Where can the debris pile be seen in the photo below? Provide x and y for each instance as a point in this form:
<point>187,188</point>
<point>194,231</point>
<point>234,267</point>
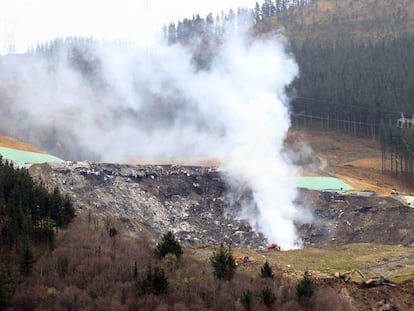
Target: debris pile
<point>189,201</point>
<point>194,203</point>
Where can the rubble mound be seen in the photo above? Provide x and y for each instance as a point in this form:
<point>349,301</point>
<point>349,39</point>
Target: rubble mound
<point>193,203</point>
<point>189,201</point>
<point>358,217</point>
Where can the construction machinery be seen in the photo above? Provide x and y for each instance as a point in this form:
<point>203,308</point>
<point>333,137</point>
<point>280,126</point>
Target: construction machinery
<point>366,282</point>
<point>377,281</point>
<point>239,260</point>
<point>273,246</point>
<point>347,275</point>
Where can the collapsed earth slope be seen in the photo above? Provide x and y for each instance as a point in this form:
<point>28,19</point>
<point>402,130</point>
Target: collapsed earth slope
<point>193,203</point>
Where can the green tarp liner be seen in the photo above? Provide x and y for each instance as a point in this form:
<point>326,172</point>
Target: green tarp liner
<point>25,157</point>
<point>323,184</point>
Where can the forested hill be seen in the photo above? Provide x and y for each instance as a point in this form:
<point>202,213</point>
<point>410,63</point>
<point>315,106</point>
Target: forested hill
<point>356,71</point>
<point>344,20</point>
<point>355,59</point>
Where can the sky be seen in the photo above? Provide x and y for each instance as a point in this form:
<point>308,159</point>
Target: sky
<point>23,23</point>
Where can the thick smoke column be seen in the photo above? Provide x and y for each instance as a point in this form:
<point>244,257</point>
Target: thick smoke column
<point>256,77</point>
<point>154,103</point>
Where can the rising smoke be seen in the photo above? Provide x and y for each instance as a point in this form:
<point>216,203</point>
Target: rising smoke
<point>153,102</point>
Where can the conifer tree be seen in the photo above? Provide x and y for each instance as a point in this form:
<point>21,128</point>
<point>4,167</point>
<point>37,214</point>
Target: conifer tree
<point>168,245</point>
<point>266,270</point>
<point>223,263</point>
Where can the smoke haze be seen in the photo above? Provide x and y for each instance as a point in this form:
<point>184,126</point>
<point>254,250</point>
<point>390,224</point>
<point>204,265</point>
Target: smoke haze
<point>118,102</point>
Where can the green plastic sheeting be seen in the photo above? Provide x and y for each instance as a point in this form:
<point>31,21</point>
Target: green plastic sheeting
<point>323,184</point>
<point>25,157</point>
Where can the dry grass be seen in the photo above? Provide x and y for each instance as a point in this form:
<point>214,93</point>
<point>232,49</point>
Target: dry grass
<point>371,259</point>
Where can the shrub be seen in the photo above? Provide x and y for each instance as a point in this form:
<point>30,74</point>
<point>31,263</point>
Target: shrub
<point>5,289</point>
<point>153,282</point>
<point>305,287</point>
<point>268,297</point>
<point>266,270</point>
<point>223,263</point>
<point>112,232</point>
<point>26,258</point>
<point>327,299</point>
<point>168,245</point>
<point>246,300</point>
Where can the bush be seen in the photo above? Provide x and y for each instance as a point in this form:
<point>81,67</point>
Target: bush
<point>168,245</point>
<point>5,289</point>
<point>327,299</point>
<point>246,300</point>
<point>266,270</point>
<point>112,232</point>
<point>26,258</point>
<point>223,263</point>
<point>268,297</point>
<point>153,282</point>
<point>305,287</point>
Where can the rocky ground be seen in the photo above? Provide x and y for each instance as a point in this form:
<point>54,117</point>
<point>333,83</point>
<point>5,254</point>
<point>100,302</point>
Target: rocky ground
<point>193,203</point>
<point>356,218</point>
<point>190,201</point>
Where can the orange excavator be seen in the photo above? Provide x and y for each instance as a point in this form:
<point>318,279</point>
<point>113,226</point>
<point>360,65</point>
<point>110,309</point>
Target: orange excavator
<point>273,246</point>
<point>239,260</point>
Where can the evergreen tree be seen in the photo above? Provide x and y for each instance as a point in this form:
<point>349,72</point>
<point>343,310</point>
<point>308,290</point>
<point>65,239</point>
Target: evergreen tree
<point>266,270</point>
<point>5,287</point>
<point>305,288</point>
<point>246,300</point>
<point>168,245</point>
<point>223,263</point>
<point>26,258</point>
<point>153,282</point>
<point>268,297</point>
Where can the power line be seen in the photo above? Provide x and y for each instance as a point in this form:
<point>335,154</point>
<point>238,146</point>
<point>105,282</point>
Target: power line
<point>358,107</point>
<point>334,120</point>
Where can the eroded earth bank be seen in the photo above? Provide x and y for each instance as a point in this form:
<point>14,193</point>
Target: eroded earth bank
<point>193,202</point>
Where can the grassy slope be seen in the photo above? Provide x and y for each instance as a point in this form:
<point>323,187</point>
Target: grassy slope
<point>371,259</point>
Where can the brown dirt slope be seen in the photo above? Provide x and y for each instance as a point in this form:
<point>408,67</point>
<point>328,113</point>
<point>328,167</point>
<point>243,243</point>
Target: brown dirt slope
<point>356,161</point>
<point>9,142</point>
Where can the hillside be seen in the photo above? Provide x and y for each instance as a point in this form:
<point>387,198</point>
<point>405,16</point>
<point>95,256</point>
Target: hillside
<point>345,20</point>
<point>22,154</point>
<point>355,231</point>
<point>12,143</point>
<point>355,57</point>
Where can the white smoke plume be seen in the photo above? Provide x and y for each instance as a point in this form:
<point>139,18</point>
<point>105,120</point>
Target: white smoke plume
<point>153,102</point>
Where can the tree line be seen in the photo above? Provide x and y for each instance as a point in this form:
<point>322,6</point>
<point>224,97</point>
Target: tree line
<point>214,26</point>
<point>360,84</point>
<point>397,149</point>
<point>28,211</point>
<point>29,215</point>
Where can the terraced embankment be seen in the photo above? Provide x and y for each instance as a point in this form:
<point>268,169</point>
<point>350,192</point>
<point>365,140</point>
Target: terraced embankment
<point>21,157</point>
<point>22,153</point>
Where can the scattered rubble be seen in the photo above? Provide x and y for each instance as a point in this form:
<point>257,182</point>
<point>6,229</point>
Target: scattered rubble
<point>189,201</point>
<point>356,219</point>
<point>193,202</point>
